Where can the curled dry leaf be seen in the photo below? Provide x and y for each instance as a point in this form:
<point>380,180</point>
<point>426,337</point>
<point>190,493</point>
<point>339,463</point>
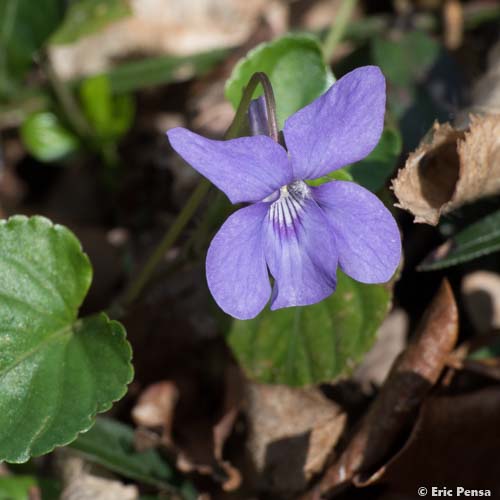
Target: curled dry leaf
<point>291,433</point>
<point>413,374</point>
<point>450,168</point>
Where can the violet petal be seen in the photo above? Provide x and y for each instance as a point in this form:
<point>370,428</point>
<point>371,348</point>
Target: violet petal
<point>300,253</point>
<point>247,169</point>
<point>236,268</point>
<point>340,127</point>
<point>367,236</point>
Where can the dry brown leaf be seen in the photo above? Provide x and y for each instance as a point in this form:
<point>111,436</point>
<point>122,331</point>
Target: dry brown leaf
<point>155,407</point>
<point>291,433</point>
<point>450,168</point>
<point>413,374</point>
<point>481,294</point>
<point>193,455</point>
<point>454,443</point>
<point>172,27</point>
<point>194,450</point>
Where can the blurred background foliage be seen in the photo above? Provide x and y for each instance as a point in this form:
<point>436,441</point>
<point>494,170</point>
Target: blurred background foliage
<point>87,90</point>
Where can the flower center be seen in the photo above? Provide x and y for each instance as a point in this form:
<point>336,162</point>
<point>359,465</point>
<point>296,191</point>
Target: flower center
<point>287,208</point>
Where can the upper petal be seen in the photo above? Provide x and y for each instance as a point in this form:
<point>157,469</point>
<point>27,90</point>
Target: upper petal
<point>340,127</point>
<point>236,268</point>
<point>300,252</point>
<point>367,236</point>
<point>246,169</point>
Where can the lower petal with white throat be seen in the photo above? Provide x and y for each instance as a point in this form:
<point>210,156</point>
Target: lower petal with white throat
<point>300,249</point>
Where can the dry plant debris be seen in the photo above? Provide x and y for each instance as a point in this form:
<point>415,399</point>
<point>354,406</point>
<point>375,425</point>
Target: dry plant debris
<point>156,27</point>
<point>414,373</point>
<point>291,433</point>
<point>450,168</point>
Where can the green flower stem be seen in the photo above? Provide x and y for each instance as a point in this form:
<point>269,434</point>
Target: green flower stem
<point>240,119</point>
<point>166,243</point>
<point>338,28</point>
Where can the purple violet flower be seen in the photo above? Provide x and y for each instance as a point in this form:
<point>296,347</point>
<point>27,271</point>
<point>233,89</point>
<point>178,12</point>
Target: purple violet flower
<point>297,232</point>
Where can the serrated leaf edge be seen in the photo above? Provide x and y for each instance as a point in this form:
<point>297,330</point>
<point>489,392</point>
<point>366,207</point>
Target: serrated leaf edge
<point>115,327</point>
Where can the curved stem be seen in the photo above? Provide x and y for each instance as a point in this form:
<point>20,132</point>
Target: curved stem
<point>198,195</point>
<point>240,117</point>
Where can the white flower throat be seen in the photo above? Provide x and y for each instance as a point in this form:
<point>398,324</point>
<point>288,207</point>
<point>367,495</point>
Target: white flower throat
<point>288,206</point>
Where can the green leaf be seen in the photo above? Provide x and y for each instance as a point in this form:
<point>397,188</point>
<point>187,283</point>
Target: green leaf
<point>46,138</point>
<point>111,116</point>
<point>153,71</point>
<point>295,66</point>
<point>24,27</point>
<point>307,345</point>
<point>16,487</point>
<point>405,60</point>
<point>56,371</point>
<point>373,171</point>
<point>336,175</point>
<point>22,32</point>
<point>85,17</point>
<point>478,239</point>
<point>111,444</point>
<point>486,352</point>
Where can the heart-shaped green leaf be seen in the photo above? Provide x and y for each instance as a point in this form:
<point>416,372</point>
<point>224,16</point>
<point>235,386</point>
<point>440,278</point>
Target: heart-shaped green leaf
<point>56,371</point>
<point>285,61</point>
<point>308,345</point>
